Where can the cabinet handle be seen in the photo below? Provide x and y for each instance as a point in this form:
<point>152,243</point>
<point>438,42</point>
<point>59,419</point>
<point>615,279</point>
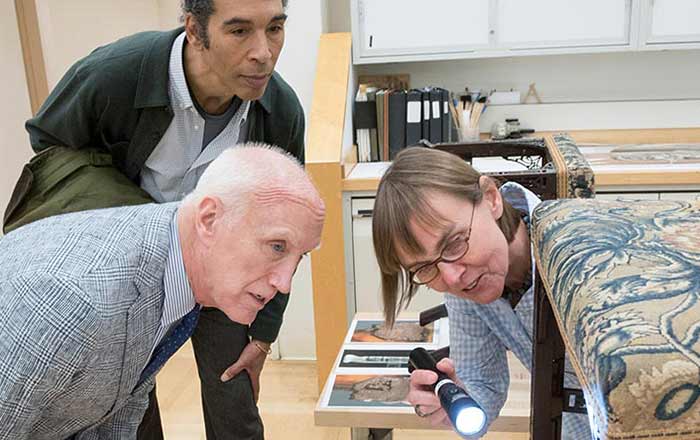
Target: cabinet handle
<point>363,213</point>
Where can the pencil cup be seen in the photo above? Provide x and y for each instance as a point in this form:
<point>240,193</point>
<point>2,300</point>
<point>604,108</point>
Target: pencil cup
<point>469,133</point>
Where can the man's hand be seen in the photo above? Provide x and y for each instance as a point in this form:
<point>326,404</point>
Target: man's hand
<point>252,359</point>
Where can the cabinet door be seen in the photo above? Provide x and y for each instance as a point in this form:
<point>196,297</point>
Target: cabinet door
<point>367,280</point>
<point>669,22</point>
<point>415,27</point>
<point>537,24</point>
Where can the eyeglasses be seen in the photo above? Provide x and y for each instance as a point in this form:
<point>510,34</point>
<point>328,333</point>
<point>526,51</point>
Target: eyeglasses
<point>453,251</point>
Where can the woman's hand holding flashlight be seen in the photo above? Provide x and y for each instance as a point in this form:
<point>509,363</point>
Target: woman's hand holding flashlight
<point>463,413</point>
<point>422,396</point>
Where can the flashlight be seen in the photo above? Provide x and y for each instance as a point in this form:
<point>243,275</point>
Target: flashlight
<point>432,314</point>
<point>466,415</point>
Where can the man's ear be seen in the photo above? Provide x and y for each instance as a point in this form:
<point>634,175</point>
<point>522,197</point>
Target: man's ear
<point>209,218</point>
<point>192,32</point>
<point>492,196</point>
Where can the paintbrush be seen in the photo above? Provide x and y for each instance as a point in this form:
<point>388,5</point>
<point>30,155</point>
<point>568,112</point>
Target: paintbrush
<point>453,111</point>
<point>476,112</point>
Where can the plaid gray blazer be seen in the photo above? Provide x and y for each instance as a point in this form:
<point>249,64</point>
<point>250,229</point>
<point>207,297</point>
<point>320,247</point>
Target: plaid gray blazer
<point>80,301</point>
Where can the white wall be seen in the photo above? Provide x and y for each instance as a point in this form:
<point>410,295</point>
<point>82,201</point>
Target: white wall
<point>169,14</point>
<point>297,64</point>
<point>14,150</point>
<point>337,15</point>
<point>70,29</point>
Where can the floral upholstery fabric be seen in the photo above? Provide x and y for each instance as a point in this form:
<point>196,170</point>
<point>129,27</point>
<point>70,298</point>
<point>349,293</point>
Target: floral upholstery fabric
<point>624,282</point>
<point>580,183</point>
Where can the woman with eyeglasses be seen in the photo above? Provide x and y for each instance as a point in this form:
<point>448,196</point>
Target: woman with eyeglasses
<point>438,222</point>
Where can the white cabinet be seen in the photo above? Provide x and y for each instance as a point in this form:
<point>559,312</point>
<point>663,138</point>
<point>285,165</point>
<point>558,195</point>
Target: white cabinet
<point>556,23</point>
<point>414,30</point>
<point>419,30</point>
<point>671,23</point>
<point>399,27</point>
<point>365,271</point>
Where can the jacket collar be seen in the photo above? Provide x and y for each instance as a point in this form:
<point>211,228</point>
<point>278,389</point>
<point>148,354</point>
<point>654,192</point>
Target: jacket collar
<point>152,87</point>
<point>270,92</point>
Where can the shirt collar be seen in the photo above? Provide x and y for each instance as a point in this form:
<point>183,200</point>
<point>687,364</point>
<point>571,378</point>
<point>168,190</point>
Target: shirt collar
<point>245,108</point>
<point>178,82</point>
<point>519,197</point>
<point>179,298</point>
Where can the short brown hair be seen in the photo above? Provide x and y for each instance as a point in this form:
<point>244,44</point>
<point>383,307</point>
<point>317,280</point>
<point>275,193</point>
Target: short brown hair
<point>403,195</point>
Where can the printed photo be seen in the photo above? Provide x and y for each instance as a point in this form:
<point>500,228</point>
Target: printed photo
<point>369,390</point>
<point>409,332</point>
<point>375,358</point>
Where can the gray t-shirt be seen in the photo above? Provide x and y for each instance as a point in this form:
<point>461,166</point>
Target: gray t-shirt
<point>215,124</point>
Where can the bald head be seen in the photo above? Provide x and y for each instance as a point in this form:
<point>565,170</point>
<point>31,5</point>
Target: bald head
<point>244,229</point>
<point>255,174</point>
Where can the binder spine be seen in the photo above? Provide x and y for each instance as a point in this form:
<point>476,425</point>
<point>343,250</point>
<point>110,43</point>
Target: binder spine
<point>413,117</point>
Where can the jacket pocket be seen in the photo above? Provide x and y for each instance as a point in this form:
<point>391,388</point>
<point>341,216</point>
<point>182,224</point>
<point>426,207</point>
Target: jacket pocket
<point>19,193</point>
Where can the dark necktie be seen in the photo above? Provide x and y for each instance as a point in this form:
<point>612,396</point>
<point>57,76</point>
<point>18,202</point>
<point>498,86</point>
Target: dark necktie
<point>171,343</point>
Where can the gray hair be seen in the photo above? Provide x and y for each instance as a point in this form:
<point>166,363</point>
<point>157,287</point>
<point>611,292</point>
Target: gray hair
<point>242,170</point>
<point>201,10</point>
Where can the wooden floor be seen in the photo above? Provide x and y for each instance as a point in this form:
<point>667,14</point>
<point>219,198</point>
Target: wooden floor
<point>287,400</point>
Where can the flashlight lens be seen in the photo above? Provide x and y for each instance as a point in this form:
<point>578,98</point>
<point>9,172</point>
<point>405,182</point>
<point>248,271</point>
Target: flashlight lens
<point>470,420</point>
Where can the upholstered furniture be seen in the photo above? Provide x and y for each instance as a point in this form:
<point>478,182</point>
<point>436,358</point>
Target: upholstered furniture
<point>623,279</point>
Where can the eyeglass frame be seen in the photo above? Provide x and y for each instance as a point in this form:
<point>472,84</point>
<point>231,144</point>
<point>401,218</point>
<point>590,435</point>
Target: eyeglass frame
<point>412,274</point>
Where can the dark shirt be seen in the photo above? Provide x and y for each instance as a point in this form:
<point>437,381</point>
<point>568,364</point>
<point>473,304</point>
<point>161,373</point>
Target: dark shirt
<point>215,124</point>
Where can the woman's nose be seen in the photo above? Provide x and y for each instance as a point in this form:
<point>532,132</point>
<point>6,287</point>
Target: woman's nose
<point>451,273</point>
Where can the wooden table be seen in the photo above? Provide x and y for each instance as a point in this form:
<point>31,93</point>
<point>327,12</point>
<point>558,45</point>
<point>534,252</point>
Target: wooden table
<point>378,422</point>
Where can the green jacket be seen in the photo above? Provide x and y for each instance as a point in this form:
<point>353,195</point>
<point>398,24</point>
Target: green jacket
<point>116,101</point>
<point>60,180</point>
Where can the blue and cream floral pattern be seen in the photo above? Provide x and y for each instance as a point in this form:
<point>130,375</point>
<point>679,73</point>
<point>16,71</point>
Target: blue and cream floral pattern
<point>580,179</point>
<point>624,282</point>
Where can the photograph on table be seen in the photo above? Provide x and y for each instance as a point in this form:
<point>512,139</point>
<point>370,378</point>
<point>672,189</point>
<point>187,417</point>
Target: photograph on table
<point>403,332</point>
<point>370,390</point>
<point>642,156</point>
<point>358,358</point>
